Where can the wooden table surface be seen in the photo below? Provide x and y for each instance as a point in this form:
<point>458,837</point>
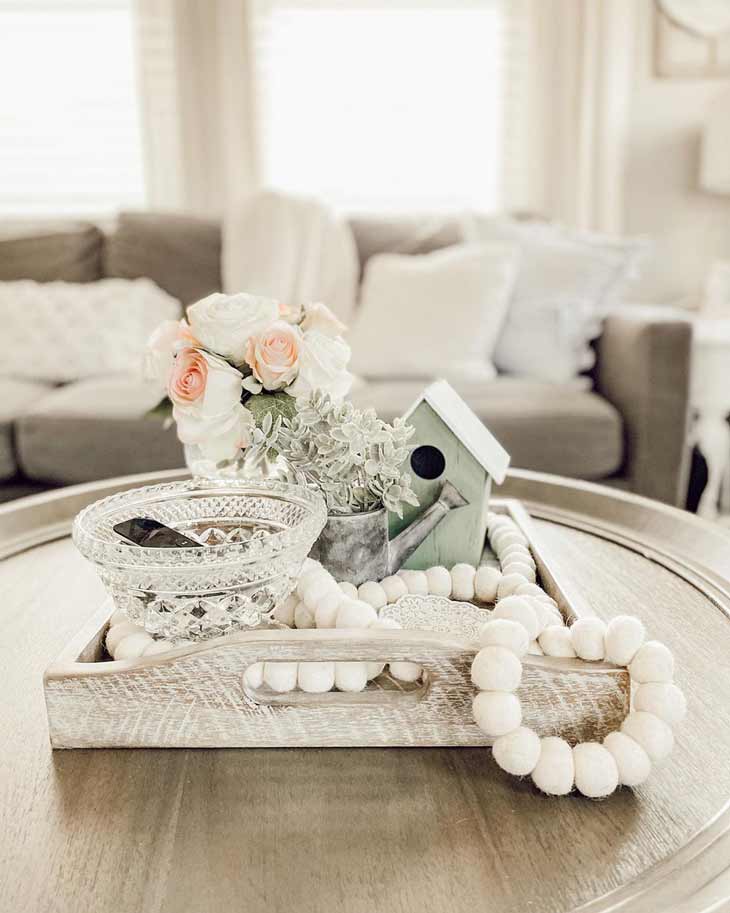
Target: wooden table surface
<point>361,830</point>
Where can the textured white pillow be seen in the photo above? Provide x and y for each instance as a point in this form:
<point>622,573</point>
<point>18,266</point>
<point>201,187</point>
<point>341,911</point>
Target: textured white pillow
<point>433,315</point>
<point>565,284</point>
<point>64,331</point>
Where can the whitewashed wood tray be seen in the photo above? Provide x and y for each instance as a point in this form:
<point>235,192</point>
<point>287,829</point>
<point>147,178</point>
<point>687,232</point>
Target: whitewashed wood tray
<point>195,696</point>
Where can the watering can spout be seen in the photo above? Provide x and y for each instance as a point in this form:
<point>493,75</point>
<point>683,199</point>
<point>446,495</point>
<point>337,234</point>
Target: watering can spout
<point>407,541</point>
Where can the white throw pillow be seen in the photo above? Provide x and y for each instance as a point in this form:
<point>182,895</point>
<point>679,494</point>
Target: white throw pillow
<point>565,284</point>
<point>65,331</point>
<point>433,315</point>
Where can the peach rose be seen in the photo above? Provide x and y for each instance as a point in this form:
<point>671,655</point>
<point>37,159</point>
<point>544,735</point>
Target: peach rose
<point>189,377</point>
<point>319,317</point>
<point>274,355</point>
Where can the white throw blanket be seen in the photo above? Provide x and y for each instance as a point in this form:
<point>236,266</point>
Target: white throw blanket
<point>293,249</point>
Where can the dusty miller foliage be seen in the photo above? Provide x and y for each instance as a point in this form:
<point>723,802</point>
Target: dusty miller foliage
<point>355,458</point>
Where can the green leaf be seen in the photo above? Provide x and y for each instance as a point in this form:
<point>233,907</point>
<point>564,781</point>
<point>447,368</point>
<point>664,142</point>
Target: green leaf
<point>273,404</point>
<point>163,410</point>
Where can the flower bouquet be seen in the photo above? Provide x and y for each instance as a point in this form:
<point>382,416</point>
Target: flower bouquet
<point>235,360</point>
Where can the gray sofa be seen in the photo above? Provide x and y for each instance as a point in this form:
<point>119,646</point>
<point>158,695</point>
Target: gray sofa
<point>631,430</point>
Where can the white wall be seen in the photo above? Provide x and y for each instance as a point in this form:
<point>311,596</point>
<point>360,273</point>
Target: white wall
<point>662,199</point>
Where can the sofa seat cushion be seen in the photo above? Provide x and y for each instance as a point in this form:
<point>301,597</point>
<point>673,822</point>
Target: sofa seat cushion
<point>559,428</point>
<point>17,397</point>
<point>95,429</point>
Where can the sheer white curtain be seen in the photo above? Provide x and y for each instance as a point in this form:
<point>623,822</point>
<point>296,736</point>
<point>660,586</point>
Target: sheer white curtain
<point>194,63</point>
<point>496,104</point>
<point>576,103</point>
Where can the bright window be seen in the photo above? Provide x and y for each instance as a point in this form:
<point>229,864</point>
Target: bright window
<point>377,105</point>
<point>69,127</point>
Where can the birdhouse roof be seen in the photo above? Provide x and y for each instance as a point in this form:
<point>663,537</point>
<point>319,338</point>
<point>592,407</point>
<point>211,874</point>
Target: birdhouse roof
<point>468,428</point>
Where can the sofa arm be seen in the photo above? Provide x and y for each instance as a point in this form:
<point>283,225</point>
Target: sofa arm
<point>643,369</point>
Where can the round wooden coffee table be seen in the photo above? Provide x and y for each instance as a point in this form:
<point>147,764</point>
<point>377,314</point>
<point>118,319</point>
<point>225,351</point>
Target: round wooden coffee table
<point>369,829</point>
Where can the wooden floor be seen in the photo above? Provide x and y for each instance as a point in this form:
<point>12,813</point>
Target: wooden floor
<point>366,830</point>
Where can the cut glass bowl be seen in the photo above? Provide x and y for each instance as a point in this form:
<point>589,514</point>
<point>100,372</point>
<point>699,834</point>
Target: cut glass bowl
<point>256,535</point>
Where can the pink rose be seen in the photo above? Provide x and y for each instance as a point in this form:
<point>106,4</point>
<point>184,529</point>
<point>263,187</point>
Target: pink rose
<point>320,318</point>
<point>274,355</point>
<point>189,377</point>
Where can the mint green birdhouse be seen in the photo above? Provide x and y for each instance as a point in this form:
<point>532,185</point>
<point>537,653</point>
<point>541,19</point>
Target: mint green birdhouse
<point>450,443</point>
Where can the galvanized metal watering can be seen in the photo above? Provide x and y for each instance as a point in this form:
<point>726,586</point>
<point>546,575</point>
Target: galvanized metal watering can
<point>355,547</point>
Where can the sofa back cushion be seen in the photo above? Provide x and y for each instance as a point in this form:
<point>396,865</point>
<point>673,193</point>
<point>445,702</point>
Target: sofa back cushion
<point>47,252</point>
<point>180,253</point>
<point>404,234</point>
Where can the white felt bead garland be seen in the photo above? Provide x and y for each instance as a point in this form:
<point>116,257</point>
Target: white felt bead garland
<point>525,620</point>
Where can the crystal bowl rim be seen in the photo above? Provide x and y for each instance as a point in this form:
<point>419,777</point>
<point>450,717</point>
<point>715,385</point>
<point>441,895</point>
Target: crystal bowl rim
<point>99,550</point>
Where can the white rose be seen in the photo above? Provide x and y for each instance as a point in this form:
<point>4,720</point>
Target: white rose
<point>206,393</point>
<point>159,356</point>
<point>319,317</point>
<point>224,323</point>
<point>323,364</point>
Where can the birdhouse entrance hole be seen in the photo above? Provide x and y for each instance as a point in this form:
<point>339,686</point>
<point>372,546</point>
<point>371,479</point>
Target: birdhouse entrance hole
<point>428,462</point>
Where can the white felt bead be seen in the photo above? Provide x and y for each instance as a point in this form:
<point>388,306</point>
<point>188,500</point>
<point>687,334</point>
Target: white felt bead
<point>284,612</point>
<point>496,668</point>
<point>349,589</point>
<point>372,593</point>
<point>355,614</point>
<point>157,647</point>
<point>519,553</point>
<point>311,578</point>
<point>439,581</point>
<point>281,677</point>
<point>624,636</point>
<point>496,713</point>
<point>529,589</point>
<point>545,613</point>
<point>518,609</point>
<point>663,699</point>
<point>507,537</point>
<point>315,593</point>
<point>462,582</point>
<point>253,677</point>
<point>325,615</point>
<point>316,678</point>
<point>554,772</point>
<point>304,616</point>
<point>503,632</point>
<point>508,584</point>
<point>596,772</point>
<point>119,632</point>
<point>631,760</point>
<point>653,663</point>
<point>521,568</point>
<point>416,581</point>
<point>133,645</point>
<point>486,581</point>
<point>653,734</point>
<point>535,649</point>
<point>517,752</point>
<point>406,672</point>
<point>588,636</point>
<point>394,587</point>
<point>555,640</point>
<point>351,676</point>
<point>118,617</point>
<point>374,670</point>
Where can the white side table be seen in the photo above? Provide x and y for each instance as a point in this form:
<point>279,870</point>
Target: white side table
<point>710,394</point>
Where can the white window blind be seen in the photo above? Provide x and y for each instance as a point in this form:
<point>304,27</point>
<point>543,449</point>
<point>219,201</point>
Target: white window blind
<point>384,105</point>
<point>69,127</point>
